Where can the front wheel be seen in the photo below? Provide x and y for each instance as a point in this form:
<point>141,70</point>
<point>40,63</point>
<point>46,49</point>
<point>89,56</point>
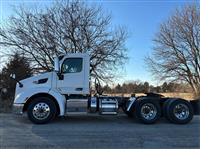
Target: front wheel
<point>147,111</point>
<point>41,110</point>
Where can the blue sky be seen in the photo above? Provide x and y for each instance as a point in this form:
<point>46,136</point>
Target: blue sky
<point>142,20</point>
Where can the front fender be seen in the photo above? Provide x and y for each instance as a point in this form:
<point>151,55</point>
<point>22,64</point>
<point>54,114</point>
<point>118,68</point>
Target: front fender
<point>22,98</point>
<point>60,99</point>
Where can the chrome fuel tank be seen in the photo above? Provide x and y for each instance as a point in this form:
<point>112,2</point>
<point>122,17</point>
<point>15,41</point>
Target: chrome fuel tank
<point>108,105</point>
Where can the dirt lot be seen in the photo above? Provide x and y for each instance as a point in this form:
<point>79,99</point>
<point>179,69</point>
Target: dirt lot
<point>85,132</point>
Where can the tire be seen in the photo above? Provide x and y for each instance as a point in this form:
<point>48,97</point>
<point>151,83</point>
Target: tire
<point>179,111</point>
<point>41,110</point>
<point>165,108</point>
<point>142,112</point>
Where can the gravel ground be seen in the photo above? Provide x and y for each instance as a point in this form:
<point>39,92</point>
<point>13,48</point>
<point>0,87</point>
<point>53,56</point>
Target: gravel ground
<point>102,132</point>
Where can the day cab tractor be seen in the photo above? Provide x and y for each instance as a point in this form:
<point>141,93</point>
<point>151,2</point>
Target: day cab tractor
<point>66,91</point>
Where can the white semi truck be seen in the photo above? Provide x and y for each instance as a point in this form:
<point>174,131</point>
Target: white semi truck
<point>66,91</point>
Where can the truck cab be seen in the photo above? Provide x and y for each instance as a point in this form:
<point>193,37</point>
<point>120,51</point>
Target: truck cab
<point>72,77</point>
<point>65,91</point>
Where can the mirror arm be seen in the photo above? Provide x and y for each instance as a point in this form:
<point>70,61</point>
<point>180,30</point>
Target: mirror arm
<point>60,75</point>
<point>20,84</point>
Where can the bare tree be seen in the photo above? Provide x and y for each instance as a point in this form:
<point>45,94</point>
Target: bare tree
<point>67,27</point>
<point>176,55</point>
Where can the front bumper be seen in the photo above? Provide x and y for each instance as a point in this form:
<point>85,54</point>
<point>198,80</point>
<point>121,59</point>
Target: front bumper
<point>17,108</point>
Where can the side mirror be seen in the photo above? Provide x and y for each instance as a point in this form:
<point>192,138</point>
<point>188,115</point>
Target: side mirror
<point>57,68</point>
<point>56,64</point>
<point>12,75</point>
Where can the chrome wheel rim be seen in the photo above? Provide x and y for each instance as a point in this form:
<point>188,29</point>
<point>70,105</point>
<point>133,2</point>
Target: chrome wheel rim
<point>181,111</point>
<point>41,111</point>
<point>148,111</point>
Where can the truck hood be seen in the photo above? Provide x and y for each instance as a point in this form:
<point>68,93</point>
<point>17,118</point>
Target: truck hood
<point>40,80</point>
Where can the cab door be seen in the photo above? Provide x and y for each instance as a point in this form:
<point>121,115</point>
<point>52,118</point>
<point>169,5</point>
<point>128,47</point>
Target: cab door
<point>72,72</point>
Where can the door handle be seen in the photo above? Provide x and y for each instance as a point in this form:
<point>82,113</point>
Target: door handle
<point>79,89</point>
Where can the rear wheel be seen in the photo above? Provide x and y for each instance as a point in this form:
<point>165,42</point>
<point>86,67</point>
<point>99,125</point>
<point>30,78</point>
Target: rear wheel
<point>41,110</point>
<point>179,111</point>
<point>165,108</point>
<point>147,111</point>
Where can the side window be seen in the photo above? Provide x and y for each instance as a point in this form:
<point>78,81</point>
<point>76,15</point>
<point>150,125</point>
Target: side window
<point>72,65</point>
